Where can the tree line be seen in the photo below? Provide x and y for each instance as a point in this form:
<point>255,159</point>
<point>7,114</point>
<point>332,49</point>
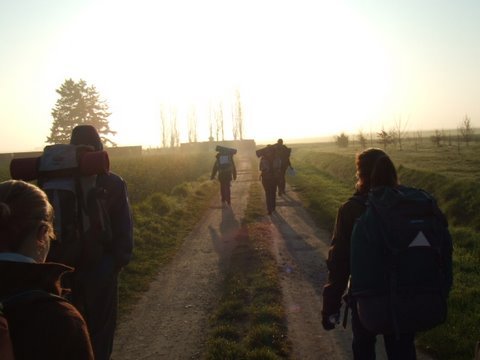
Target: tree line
<point>81,104</point>
<point>398,134</point>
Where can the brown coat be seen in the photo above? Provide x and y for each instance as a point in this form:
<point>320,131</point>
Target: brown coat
<point>45,329</point>
<point>338,261</point>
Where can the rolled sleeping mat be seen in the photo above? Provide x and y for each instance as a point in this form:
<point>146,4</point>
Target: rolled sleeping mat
<point>94,162</point>
<point>261,152</point>
<point>25,169</point>
<point>90,163</point>
<point>225,150</point>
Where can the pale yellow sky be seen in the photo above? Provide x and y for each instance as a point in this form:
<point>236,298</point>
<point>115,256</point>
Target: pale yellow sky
<point>303,68</point>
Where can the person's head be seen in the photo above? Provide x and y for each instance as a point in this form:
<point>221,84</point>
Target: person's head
<point>26,220</point>
<point>280,141</point>
<point>374,168</point>
<point>86,135</point>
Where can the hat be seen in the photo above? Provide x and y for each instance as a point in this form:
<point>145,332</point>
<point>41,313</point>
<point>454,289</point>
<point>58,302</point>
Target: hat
<point>86,135</point>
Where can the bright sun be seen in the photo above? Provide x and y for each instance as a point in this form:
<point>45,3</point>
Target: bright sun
<point>316,74</point>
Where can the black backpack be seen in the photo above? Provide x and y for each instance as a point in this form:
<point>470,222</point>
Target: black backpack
<point>401,254</point>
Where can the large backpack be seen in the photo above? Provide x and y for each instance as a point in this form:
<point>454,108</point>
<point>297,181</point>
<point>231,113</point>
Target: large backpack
<point>224,163</point>
<point>68,175</point>
<point>400,262</point>
<point>82,224</point>
<point>25,298</point>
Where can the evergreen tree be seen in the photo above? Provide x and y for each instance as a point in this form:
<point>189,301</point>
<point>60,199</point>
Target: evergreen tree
<point>79,104</point>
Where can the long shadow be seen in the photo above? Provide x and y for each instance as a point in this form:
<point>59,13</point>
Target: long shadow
<point>223,239</point>
<point>308,260</point>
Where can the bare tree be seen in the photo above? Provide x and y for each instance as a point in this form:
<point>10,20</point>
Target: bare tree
<point>384,138</point>
<point>417,139</point>
<point>237,114</point>
<point>192,125</point>
<point>164,125</point>
<point>399,131</point>
<point>437,138</point>
<point>466,130</point>
<point>174,133</point>
<point>210,124</point>
<point>219,121</point>
<point>362,140</point>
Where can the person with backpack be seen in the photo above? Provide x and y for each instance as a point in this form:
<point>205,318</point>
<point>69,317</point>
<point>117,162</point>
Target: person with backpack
<point>94,283</point>
<point>41,323</point>
<point>392,249</point>
<point>269,174</point>
<point>225,167</point>
<point>284,158</point>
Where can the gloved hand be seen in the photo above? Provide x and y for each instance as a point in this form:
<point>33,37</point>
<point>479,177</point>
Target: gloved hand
<point>329,321</point>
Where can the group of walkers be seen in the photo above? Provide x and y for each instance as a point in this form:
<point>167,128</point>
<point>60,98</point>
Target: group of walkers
<point>390,259</point>
<point>48,321</point>
<point>54,311</point>
<point>274,163</point>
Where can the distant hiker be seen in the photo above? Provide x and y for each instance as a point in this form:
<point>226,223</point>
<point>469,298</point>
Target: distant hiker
<point>225,167</point>
<point>42,324</point>
<point>103,252</point>
<point>270,173</point>
<point>394,245</point>
<point>284,155</point>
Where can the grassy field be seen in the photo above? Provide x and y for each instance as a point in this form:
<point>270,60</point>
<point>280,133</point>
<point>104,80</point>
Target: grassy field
<point>325,180</point>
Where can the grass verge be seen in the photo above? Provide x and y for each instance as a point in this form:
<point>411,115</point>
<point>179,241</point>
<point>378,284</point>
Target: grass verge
<point>250,320</point>
<point>161,222</point>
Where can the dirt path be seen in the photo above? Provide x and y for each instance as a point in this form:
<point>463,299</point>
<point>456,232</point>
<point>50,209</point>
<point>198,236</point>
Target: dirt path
<point>171,319</point>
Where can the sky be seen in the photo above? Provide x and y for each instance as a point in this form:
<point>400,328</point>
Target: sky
<point>303,68</point>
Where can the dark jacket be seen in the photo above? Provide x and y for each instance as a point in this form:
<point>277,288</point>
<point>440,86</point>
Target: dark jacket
<point>48,328</point>
<point>338,261</point>
<point>118,208</point>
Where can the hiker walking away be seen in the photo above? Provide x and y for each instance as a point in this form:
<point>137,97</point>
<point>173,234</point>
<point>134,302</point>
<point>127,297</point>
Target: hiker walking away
<point>95,284</point>
<point>386,273</point>
<point>225,167</point>
<point>42,324</point>
<point>269,175</point>
<point>284,154</point>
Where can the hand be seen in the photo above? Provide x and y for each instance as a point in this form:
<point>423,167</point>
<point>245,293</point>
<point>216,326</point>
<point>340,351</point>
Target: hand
<point>330,321</point>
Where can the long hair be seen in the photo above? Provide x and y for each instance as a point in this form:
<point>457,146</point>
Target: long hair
<point>23,209</point>
<point>374,168</point>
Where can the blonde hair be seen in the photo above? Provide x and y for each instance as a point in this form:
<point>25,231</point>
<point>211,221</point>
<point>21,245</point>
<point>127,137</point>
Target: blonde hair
<point>23,209</point>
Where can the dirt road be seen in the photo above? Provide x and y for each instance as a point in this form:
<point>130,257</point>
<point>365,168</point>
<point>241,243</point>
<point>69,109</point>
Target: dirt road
<point>171,320</point>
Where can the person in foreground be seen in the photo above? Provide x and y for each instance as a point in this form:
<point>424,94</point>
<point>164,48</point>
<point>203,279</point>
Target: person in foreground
<point>95,289</point>
<point>376,172</point>
<point>42,324</point>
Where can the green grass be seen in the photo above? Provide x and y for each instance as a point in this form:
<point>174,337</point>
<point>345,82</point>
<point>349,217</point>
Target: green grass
<point>250,321</point>
<point>161,222</point>
<point>322,187</point>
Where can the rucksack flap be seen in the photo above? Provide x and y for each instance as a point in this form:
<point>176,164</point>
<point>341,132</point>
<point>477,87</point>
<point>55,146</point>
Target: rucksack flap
<point>396,260</point>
